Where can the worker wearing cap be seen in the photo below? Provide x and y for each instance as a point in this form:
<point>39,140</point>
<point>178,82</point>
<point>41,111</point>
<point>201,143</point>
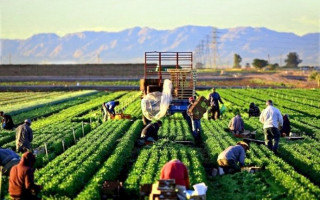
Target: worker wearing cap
<point>8,159</point>
<point>230,157</point>
<point>6,121</point>
<point>24,137</point>
<point>108,108</point>
<point>195,122</point>
<point>214,99</point>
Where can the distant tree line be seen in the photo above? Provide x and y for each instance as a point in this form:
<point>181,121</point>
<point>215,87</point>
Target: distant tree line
<point>291,61</point>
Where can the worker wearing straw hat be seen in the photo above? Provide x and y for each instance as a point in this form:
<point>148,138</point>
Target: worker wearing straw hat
<point>228,159</point>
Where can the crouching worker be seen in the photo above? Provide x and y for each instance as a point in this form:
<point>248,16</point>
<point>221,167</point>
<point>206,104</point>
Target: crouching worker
<point>150,132</point>
<point>8,159</point>
<point>176,170</point>
<point>108,109</point>
<point>6,121</point>
<point>236,125</point>
<point>21,181</point>
<point>228,160</point>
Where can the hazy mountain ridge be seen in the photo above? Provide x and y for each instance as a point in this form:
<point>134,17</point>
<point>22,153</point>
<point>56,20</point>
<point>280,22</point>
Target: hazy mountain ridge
<point>129,45</point>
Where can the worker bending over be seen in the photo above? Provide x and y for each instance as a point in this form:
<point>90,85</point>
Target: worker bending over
<point>176,170</point>
<point>21,181</point>
<point>8,159</point>
<point>108,109</point>
<point>286,128</point>
<point>228,160</point>
<point>6,121</point>
<point>24,137</point>
<point>254,110</point>
<point>150,132</point>
<point>236,125</point>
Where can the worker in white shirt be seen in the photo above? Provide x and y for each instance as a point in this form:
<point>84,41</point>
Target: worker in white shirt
<point>272,121</point>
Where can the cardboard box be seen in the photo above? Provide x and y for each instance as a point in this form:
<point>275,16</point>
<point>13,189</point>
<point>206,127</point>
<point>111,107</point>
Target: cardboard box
<point>199,107</point>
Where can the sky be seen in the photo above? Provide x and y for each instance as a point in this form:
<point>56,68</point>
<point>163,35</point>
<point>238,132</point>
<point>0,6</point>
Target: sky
<point>20,19</point>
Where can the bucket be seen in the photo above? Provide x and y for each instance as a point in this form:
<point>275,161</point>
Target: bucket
<point>200,188</point>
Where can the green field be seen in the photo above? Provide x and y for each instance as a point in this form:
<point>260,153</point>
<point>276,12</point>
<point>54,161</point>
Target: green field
<point>95,151</point>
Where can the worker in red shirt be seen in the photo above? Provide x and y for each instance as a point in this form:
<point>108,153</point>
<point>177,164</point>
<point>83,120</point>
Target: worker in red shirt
<point>176,170</point>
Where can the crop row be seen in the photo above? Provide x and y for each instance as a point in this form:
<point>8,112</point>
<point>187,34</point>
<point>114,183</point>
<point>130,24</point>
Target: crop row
<point>77,110</point>
<point>281,173</point>
<point>97,113</point>
<point>68,173</point>
<point>150,161</point>
<point>112,167</point>
<point>53,108</point>
<point>14,109</point>
<point>65,115</point>
<point>177,130</point>
<point>11,98</point>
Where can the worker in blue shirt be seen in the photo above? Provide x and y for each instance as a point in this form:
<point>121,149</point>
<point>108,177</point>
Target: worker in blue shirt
<point>108,108</point>
<point>214,110</point>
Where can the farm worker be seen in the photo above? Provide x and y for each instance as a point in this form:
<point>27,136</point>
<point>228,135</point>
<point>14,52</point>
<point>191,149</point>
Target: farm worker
<point>8,159</point>
<point>6,121</point>
<point>214,99</point>
<point>272,119</point>
<point>254,110</point>
<point>236,125</point>
<point>176,170</point>
<point>150,132</point>
<point>21,181</point>
<point>24,137</point>
<point>195,121</point>
<point>286,128</point>
<point>108,108</point>
<point>228,159</point>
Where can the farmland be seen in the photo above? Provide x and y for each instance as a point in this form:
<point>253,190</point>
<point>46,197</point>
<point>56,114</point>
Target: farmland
<point>82,151</point>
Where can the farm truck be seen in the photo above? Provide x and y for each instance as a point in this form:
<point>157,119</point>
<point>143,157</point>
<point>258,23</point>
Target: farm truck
<point>175,66</point>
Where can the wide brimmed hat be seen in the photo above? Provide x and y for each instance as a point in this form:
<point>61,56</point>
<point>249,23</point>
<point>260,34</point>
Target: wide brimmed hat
<point>243,144</point>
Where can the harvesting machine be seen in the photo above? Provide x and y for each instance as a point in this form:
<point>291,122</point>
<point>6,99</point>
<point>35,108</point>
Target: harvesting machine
<point>176,66</point>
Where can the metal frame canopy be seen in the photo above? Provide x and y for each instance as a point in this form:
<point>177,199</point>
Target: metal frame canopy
<point>158,64</point>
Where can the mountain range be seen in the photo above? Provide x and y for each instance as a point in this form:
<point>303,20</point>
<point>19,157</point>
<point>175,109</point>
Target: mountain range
<point>129,45</point>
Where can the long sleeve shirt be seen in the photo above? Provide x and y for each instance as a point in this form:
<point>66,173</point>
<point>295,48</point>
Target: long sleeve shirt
<point>6,155</point>
<point>236,153</point>
<point>151,130</point>
<point>176,170</point>
<point>110,104</point>
<point>236,124</point>
<point>24,136</point>
<point>271,117</point>
<point>214,99</point>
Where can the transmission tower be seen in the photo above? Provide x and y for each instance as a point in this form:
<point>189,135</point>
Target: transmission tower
<point>214,47</point>
<point>207,56</point>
